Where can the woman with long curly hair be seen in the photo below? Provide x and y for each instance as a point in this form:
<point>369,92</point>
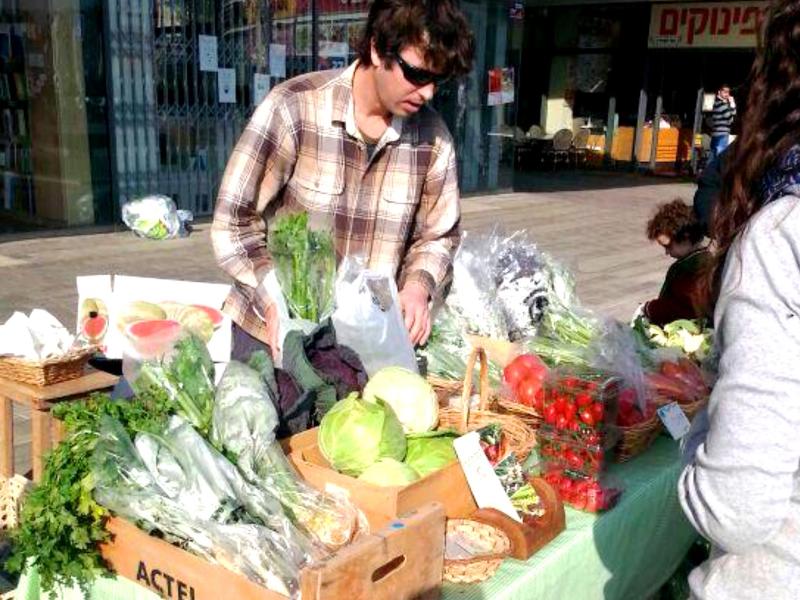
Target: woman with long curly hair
<point>741,486</point>
<point>684,293</point>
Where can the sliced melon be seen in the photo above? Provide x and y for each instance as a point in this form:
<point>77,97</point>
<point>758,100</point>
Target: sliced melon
<point>216,315</point>
<point>139,311</point>
<point>153,336</point>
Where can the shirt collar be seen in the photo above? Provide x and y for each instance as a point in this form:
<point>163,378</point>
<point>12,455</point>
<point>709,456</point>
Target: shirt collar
<point>344,109</point>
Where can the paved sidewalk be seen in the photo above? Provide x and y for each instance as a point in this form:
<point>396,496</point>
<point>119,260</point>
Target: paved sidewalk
<point>598,233</point>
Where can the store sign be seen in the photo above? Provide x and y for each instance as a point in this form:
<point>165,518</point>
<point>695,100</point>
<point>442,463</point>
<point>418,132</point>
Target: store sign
<point>706,24</point>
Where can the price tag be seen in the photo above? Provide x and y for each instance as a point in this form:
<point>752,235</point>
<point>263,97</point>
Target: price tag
<point>674,420</point>
<point>483,481</point>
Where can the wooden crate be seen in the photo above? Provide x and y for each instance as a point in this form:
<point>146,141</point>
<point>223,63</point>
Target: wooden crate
<point>382,504</point>
<point>401,562</point>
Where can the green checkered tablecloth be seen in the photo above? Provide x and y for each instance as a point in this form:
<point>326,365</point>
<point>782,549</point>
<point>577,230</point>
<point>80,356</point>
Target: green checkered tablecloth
<point>626,553</point>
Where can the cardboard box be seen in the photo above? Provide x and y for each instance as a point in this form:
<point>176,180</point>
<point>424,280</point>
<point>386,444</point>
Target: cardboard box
<point>381,504</point>
<point>402,562</point>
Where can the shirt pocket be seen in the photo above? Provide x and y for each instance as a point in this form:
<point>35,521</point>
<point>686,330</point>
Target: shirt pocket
<point>400,197</point>
<point>318,184</point>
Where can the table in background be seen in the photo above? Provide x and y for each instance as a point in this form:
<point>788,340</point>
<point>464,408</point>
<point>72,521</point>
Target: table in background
<point>40,400</point>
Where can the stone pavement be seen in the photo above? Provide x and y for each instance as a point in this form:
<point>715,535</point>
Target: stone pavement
<point>593,223</point>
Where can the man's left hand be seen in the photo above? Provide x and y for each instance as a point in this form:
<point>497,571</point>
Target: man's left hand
<point>417,315</point>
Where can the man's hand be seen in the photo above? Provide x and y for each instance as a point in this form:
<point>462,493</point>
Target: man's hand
<point>417,315</point>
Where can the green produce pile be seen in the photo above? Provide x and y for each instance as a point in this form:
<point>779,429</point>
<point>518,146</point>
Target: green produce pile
<point>196,464</point>
<point>305,264</point>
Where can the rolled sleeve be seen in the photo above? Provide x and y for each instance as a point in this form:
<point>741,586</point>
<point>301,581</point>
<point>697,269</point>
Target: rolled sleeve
<point>436,230</point>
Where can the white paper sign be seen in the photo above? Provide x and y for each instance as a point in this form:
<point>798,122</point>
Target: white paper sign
<point>260,87</point>
<point>277,60</point>
<point>483,481</point>
<point>674,420</point>
<point>226,85</point>
<point>167,294</point>
<point>208,52</point>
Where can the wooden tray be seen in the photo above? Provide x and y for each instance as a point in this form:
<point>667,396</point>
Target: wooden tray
<point>526,540</point>
<point>402,562</point>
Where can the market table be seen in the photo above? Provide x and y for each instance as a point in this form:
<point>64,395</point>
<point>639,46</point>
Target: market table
<point>626,553</point>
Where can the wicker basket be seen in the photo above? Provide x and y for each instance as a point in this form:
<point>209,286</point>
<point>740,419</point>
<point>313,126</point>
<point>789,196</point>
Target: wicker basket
<point>480,567</point>
<point>527,414</point>
<point>12,492</point>
<point>50,371</point>
<point>637,438</point>
<point>521,438</point>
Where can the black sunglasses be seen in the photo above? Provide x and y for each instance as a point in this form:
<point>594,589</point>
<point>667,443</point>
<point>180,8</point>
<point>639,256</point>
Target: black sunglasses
<point>419,76</point>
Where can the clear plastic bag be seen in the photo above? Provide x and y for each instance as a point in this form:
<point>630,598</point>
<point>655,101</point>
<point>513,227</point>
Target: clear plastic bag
<point>368,319</point>
<point>175,483</point>
<point>156,217</point>
<point>616,351</point>
<point>244,425</point>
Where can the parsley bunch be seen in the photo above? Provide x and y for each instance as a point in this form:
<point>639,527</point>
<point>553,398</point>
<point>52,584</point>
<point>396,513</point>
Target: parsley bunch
<point>61,524</point>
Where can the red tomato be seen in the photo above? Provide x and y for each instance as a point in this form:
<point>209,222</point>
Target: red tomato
<point>550,414</point>
<point>573,459</point>
<point>561,402</point>
<point>561,422</point>
<point>527,390</point>
<point>598,412</point>
<point>514,373</point>
<point>569,382</point>
<point>593,439</point>
<point>574,426</point>
<point>583,400</point>
<point>586,416</point>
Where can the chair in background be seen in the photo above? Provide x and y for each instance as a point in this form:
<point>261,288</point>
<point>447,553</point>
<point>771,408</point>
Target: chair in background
<point>535,132</point>
<point>559,151</point>
<point>580,147</point>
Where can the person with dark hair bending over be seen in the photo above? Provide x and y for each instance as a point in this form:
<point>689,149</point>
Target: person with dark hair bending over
<point>683,294</point>
<point>741,485</point>
<point>358,148</point>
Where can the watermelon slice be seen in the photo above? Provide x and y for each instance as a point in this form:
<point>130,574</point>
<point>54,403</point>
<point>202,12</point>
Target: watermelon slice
<point>152,337</point>
<point>94,326</point>
<point>216,315</point>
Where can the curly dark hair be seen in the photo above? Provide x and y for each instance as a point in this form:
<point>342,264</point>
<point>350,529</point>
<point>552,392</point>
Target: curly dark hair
<point>676,220</point>
<point>438,27</point>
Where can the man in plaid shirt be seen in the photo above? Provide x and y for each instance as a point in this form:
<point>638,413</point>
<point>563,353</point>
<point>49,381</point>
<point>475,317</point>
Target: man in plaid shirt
<point>361,152</point>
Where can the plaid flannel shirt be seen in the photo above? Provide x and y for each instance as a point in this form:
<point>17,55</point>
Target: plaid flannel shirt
<point>302,151</point>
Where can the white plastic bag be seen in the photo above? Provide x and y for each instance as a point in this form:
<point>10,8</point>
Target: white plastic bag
<point>155,217</point>
<point>368,319</point>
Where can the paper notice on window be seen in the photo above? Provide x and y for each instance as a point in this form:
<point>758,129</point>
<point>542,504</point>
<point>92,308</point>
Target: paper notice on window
<point>277,60</point>
<point>261,86</point>
<point>208,52</point>
<point>226,85</point>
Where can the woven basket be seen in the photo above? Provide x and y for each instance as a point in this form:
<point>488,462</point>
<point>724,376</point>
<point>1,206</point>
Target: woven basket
<point>50,371</point>
<point>521,438</point>
<point>477,568</point>
<point>527,414</point>
<point>12,493</point>
<point>637,438</point>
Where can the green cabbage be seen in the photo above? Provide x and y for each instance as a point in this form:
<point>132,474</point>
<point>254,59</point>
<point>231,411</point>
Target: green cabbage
<point>412,398</point>
<point>430,452</point>
<point>389,472</point>
<point>355,434</point>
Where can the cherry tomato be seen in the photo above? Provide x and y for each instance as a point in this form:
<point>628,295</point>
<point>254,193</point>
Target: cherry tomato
<point>561,402</point>
<point>569,382</point>
<point>593,439</point>
<point>561,422</point>
<point>574,426</point>
<point>583,400</point>
<point>586,416</point>
<point>598,411</point>
<point>550,414</point>
<point>573,459</point>
<point>569,410</point>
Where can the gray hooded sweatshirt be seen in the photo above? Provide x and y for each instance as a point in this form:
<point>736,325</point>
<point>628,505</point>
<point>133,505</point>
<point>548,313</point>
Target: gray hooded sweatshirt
<point>741,486</point>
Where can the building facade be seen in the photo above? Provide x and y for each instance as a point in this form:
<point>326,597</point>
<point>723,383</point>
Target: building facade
<point>104,101</point>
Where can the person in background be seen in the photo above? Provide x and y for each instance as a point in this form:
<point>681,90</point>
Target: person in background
<point>358,148</point>
<point>683,295</point>
<point>740,487</point>
<point>722,120</point>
